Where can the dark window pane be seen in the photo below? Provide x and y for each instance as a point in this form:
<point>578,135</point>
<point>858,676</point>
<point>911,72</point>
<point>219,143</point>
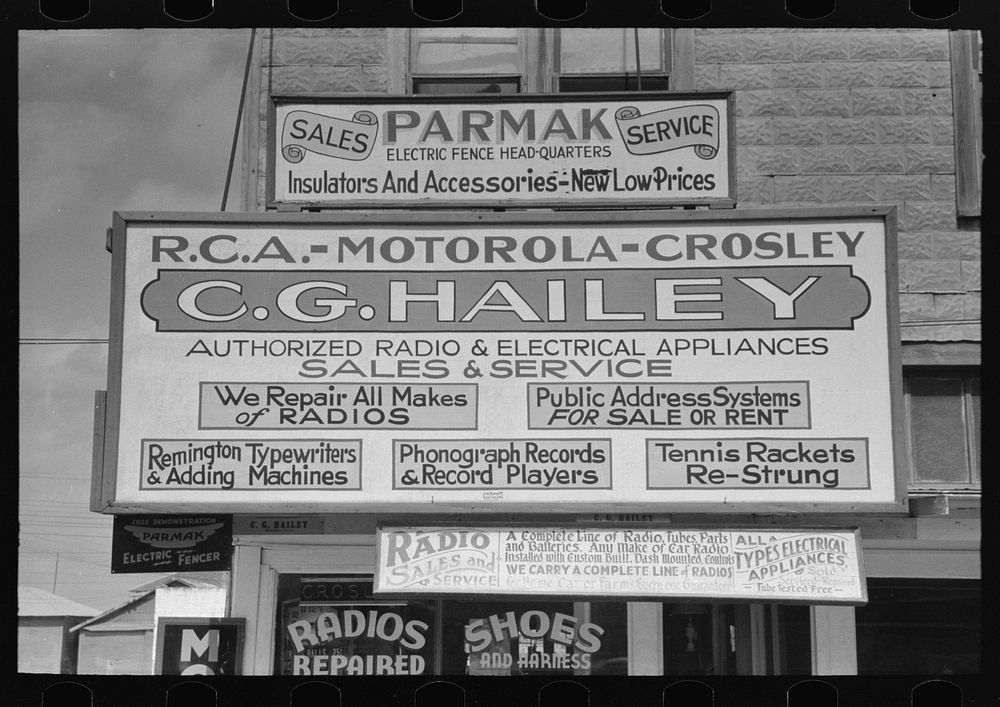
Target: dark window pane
<point>579,84</point>
<point>796,648</point>
<point>691,634</point>
<point>612,658</point>
<point>924,627</point>
<point>937,431</point>
<point>335,626</point>
<point>484,85</point>
<point>715,639</point>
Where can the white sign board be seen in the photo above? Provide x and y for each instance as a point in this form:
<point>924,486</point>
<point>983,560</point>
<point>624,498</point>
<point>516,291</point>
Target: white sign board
<point>580,362</point>
<point>817,566</point>
<point>633,148</point>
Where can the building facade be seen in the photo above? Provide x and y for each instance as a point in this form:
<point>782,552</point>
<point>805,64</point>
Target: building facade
<point>857,119</point>
<point>121,640</point>
<point>45,642</point>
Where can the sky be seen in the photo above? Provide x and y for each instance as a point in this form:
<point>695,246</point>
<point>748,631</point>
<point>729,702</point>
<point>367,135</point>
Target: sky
<point>108,120</point>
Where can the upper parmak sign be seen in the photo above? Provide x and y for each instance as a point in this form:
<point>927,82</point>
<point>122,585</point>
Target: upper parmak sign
<point>523,150</point>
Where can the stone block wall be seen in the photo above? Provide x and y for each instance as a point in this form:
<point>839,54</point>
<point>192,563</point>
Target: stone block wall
<point>822,117</point>
<point>858,117</point>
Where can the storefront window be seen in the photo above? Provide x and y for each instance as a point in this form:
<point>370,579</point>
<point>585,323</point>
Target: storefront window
<point>466,50</point>
<point>335,626</point>
<point>465,60</point>
<point>730,639</point>
<point>492,84</point>
<point>534,638</point>
<point>789,643</point>
<point>701,639</point>
<point>925,627</point>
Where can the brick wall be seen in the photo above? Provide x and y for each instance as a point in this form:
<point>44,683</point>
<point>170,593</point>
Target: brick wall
<point>829,117</point>
<point>850,118</point>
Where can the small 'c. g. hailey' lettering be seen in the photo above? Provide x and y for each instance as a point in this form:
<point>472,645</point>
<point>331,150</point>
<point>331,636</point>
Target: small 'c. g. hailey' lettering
<point>802,297</point>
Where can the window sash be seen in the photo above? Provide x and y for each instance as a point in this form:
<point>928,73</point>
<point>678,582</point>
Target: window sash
<point>444,80</point>
<point>661,72</point>
<point>539,57</point>
<point>967,402</point>
<point>660,66</point>
<point>521,41</point>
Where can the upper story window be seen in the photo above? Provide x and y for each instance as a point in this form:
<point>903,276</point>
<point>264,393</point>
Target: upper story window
<point>466,60</point>
<point>530,60</point>
<point>944,412</point>
<point>606,60</point>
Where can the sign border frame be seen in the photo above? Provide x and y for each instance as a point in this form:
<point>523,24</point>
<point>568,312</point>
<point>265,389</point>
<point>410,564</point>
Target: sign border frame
<point>104,480</point>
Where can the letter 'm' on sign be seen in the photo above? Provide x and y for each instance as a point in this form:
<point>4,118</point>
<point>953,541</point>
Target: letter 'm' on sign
<point>192,644</point>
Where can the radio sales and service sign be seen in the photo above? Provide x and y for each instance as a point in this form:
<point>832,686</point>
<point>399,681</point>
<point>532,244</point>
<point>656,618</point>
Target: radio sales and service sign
<point>171,543</point>
<point>294,363</point>
<point>649,148</point>
<point>817,566</point>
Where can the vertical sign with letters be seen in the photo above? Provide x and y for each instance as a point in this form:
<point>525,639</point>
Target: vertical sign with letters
<point>199,646</point>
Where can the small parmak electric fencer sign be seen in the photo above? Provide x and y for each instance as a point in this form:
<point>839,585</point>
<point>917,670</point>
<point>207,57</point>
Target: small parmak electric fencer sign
<point>277,363</point>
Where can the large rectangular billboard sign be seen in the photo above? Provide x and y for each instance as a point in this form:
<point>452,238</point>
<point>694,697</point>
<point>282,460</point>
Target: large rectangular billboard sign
<point>577,361</point>
<point>527,150</point>
<point>756,564</point>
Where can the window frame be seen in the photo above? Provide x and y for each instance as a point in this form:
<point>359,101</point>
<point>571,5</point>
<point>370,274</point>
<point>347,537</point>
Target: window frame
<point>970,380</point>
<point>666,56</point>
<point>527,45</point>
<point>470,78</point>
<point>538,61</point>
